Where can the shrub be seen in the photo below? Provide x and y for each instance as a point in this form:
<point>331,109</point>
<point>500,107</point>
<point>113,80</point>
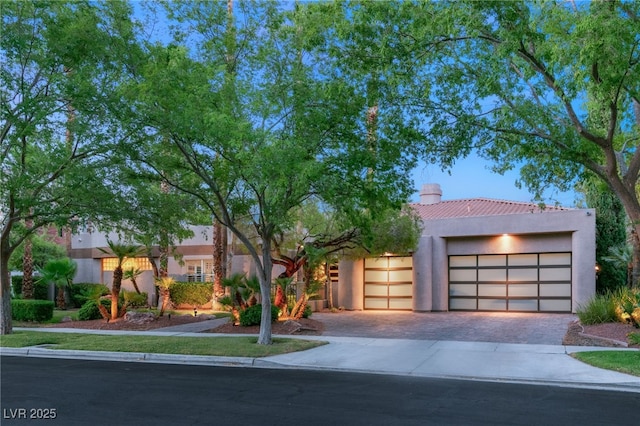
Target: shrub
<point>82,292</point>
<point>190,293</point>
<point>40,289</point>
<point>133,299</point>
<point>89,311</point>
<point>31,310</point>
<point>16,284</point>
<point>253,315</point>
<point>602,308</point>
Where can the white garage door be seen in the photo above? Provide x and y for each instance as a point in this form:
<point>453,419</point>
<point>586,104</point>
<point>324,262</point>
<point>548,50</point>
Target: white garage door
<point>388,283</point>
<point>535,282</point>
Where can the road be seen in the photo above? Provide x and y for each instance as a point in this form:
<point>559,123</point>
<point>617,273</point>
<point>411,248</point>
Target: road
<point>95,393</point>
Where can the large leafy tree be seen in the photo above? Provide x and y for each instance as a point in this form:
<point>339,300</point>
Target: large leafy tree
<point>290,130</point>
<point>550,87</point>
<point>60,62</point>
<point>611,225</point>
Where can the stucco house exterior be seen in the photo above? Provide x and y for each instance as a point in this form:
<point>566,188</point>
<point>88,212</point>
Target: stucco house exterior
<point>481,255</point>
<point>475,254</point>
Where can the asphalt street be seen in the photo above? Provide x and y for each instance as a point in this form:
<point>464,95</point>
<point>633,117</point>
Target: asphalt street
<point>84,392</point>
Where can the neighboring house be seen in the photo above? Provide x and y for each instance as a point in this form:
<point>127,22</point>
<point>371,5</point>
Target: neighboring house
<point>474,255</point>
<point>196,262</point>
<point>481,255</point>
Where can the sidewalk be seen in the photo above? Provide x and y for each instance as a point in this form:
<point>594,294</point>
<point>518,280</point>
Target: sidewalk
<point>503,362</point>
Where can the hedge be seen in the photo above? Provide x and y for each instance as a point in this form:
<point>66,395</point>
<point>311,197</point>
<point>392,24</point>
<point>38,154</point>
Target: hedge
<point>40,290</point>
<point>191,293</point>
<point>31,310</point>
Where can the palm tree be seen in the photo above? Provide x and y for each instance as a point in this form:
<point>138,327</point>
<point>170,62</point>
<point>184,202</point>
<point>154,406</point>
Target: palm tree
<point>164,285</point>
<point>121,252</point>
<point>132,274</point>
<point>61,273</point>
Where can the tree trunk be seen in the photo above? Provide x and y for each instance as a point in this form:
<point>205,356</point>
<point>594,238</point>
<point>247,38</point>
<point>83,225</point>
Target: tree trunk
<point>5,281</point>
<point>166,299</point>
<point>27,267</point>
<point>115,291</point>
<point>60,300</point>
<point>219,261</point>
<point>135,285</point>
<point>265,294</point>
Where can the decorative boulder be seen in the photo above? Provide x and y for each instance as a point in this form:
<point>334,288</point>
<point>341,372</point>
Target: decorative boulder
<point>139,317</point>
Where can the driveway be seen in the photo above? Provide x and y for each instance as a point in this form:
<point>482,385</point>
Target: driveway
<point>499,327</point>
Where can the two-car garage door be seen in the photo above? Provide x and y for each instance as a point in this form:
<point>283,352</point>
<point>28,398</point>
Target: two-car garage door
<point>532,282</point>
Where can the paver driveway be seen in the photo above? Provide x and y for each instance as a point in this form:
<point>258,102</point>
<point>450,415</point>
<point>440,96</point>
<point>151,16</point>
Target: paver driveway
<point>500,327</point>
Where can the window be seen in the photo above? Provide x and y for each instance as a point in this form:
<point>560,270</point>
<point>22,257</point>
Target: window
<point>142,263</point>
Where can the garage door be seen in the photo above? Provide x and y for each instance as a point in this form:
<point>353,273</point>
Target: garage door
<point>535,282</point>
<point>388,283</point>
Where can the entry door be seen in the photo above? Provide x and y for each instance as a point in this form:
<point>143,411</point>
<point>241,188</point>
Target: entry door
<point>388,283</point>
<point>534,282</point>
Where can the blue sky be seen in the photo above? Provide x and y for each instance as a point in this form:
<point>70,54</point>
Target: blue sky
<point>472,178</point>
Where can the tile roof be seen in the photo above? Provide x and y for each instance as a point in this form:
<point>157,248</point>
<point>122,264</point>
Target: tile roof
<point>478,207</point>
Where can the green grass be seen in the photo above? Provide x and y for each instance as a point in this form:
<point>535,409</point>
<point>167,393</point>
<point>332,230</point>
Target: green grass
<point>634,338</point>
<point>622,361</point>
<point>244,346</point>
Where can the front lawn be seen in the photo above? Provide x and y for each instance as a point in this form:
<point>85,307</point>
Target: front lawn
<point>622,361</point>
<point>212,346</point>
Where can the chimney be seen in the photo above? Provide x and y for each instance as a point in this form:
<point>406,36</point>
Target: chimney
<point>430,193</point>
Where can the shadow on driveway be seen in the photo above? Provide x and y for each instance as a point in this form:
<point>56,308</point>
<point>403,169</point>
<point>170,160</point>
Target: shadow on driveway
<point>499,327</point>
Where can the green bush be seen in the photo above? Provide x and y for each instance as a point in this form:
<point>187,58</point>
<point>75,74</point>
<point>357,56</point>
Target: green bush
<point>31,310</point>
<point>89,311</point>
<point>82,292</point>
<point>133,299</point>
<point>253,315</point>
<point>600,309</point>
<point>40,290</point>
<point>16,284</point>
<point>191,293</point>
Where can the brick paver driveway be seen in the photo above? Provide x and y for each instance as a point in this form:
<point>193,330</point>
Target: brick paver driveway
<point>500,327</point>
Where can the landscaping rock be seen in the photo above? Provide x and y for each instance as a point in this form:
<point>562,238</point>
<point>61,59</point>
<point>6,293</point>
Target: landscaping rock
<point>139,317</point>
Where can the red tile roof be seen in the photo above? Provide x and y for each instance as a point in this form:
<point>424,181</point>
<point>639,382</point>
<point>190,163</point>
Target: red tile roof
<point>478,207</point>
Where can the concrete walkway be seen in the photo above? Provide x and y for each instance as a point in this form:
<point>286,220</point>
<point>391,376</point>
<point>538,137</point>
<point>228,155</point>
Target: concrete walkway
<point>549,364</point>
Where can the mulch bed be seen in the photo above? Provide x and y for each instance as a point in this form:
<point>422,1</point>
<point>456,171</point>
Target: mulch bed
<point>303,326</point>
<point>604,335</point>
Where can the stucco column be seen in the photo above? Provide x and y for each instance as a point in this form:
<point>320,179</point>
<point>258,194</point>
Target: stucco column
<point>583,269</point>
<point>440,273</point>
<point>422,276</point>
<point>351,284</point>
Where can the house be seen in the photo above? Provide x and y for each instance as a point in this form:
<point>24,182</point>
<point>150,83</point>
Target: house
<point>195,261</point>
<point>475,254</point>
<point>481,255</point>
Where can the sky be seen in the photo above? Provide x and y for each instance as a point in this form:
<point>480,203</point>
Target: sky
<point>472,178</point>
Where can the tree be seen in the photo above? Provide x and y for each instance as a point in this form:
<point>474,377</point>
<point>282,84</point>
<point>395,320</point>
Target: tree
<point>132,274</point>
<point>43,251</point>
<point>61,273</point>
<point>122,252</point>
<point>56,56</point>
<point>164,284</point>
<point>550,87</point>
<point>294,131</point>
<point>611,225</point>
